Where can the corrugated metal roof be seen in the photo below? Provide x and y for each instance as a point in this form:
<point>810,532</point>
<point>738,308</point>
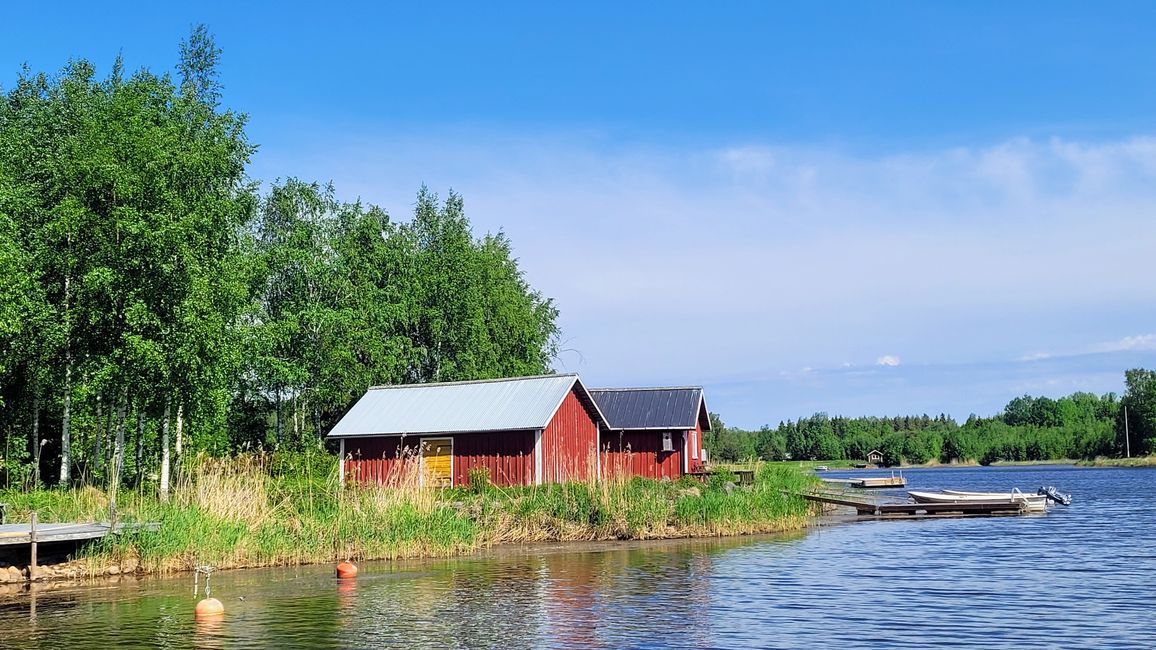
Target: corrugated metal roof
<point>650,408</point>
<point>454,407</point>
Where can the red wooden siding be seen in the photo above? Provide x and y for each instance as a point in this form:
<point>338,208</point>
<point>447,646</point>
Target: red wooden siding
<point>569,443</point>
<point>639,453</point>
<point>509,455</point>
<point>374,460</point>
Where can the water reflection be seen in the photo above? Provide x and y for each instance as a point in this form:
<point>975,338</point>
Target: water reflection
<point>1068,579</point>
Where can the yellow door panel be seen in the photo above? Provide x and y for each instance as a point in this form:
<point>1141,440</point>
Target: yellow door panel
<point>437,460</point>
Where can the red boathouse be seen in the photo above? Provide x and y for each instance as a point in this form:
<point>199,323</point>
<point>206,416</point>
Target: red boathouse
<point>524,431</point>
<point>654,432</point>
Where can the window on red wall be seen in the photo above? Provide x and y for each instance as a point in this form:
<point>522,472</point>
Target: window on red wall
<point>694,445</point>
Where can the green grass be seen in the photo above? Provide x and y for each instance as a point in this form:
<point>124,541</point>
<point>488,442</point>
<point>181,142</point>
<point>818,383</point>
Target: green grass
<point>1137,461</point>
<point>262,511</point>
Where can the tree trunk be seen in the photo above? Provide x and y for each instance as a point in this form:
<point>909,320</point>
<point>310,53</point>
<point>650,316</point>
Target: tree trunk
<point>280,432</point>
<point>66,420</point>
<point>165,451</point>
<point>117,455</point>
<point>36,436</point>
<point>97,450</point>
<point>296,430</point>
<point>66,416</point>
<point>179,440</point>
<point>140,426</point>
<point>107,441</point>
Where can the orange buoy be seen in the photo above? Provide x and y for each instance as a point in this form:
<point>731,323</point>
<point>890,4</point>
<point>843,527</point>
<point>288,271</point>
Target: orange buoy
<point>346,569</point>
<point>209,608</point>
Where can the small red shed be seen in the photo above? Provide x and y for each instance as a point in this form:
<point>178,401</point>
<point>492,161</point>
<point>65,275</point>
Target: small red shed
<point>654,432</point>
<point>525,431</point>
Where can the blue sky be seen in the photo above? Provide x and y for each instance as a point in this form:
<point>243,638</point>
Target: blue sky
<point>855,208</point>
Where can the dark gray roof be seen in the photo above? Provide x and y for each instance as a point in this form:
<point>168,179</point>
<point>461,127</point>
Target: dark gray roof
<point>652,408</point>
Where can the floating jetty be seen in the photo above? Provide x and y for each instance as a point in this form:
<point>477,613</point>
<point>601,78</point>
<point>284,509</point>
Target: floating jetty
<point>47,533</point>
<point>871,482</point>
<point>900,509</point>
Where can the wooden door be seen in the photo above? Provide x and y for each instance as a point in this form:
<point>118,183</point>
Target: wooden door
<point>437,462</point>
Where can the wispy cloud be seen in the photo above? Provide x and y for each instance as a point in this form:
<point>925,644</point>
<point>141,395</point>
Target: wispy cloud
<point>887,360</point>
<point>702,264</point>
<point>1141,342</point>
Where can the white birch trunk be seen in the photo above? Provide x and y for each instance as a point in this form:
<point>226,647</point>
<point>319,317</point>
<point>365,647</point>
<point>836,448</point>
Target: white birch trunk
<point>164,489</point>
<point>97,451</point>
<point>36,437</point>
<point>66,421</point>
<point>280,430</point>
<point>140,427</point>
<point>117,455</point>
<point>180,428</point>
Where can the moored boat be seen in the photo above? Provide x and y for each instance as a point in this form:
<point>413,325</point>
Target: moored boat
<point>1027,502</point>
<point>1049,492</point>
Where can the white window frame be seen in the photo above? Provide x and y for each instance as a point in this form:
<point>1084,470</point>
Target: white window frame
<point>537,457</point>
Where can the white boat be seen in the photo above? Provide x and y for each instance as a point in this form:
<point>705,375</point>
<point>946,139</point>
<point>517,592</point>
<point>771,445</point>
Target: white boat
<point>1029,502</point>
<point>1049,492</point>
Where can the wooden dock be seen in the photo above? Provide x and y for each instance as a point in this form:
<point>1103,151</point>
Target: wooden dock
<point>870,482</point>
<point>21,534</point>
<point>908,509</point>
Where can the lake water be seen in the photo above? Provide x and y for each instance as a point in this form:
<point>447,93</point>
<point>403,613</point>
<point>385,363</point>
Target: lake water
<point>1083,576</point>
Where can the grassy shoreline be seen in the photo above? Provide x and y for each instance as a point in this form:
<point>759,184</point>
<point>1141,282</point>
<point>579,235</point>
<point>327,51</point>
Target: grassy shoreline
<point>1136,461</point>
<point>845,465</point>
<point>266,511</point>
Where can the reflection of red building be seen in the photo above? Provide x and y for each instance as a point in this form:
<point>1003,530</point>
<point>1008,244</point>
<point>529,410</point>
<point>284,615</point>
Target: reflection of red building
<point>570,595</point>
<point>525,431</point>
<point>654,432</point>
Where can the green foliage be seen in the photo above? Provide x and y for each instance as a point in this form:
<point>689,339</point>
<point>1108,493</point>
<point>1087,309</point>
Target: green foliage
<point>1140,402</point>
<point>719,477</point>
<point>143,276</point>
<point>479,479</point>
<point>1081,425</point>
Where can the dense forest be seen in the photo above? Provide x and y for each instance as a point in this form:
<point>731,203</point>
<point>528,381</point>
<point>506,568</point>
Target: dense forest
<point>1081,425</point>
<point>156,301</point>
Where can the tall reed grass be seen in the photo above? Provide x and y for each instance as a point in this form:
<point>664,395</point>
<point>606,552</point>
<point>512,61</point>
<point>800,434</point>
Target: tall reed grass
<point>262,510</point>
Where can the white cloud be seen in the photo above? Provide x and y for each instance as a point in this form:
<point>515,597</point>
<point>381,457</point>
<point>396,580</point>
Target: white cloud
<point>887,360</point>
<point>696,265</point>
<point>1140,342</point>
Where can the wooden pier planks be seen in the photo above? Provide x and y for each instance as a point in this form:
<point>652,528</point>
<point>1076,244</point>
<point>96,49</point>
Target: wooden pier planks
<point>907,509</point>
<point>21,534</point>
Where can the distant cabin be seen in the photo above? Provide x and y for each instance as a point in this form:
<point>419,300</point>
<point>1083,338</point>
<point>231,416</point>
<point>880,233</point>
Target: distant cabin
<point>653,432</point>
<point>524,431</point>
<point>875,457</point>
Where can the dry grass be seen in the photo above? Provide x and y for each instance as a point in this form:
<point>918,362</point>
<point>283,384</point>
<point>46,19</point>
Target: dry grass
<point>262,511</point>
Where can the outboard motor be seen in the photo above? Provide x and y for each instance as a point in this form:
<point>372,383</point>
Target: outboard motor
<point>1053,494</point>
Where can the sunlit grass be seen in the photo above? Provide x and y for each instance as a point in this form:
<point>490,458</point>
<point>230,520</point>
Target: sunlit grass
<point>290,509</point>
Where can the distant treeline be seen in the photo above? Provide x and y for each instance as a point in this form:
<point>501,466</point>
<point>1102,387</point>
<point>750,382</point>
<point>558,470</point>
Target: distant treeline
<point>1081,425</point>
<point>153,297</point>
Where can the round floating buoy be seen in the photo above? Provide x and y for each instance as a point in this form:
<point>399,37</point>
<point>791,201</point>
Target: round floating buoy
<point>346,569</point>
<point>209,608</point>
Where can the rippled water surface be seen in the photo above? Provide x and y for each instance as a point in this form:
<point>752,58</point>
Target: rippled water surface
<point>1083,576</point>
